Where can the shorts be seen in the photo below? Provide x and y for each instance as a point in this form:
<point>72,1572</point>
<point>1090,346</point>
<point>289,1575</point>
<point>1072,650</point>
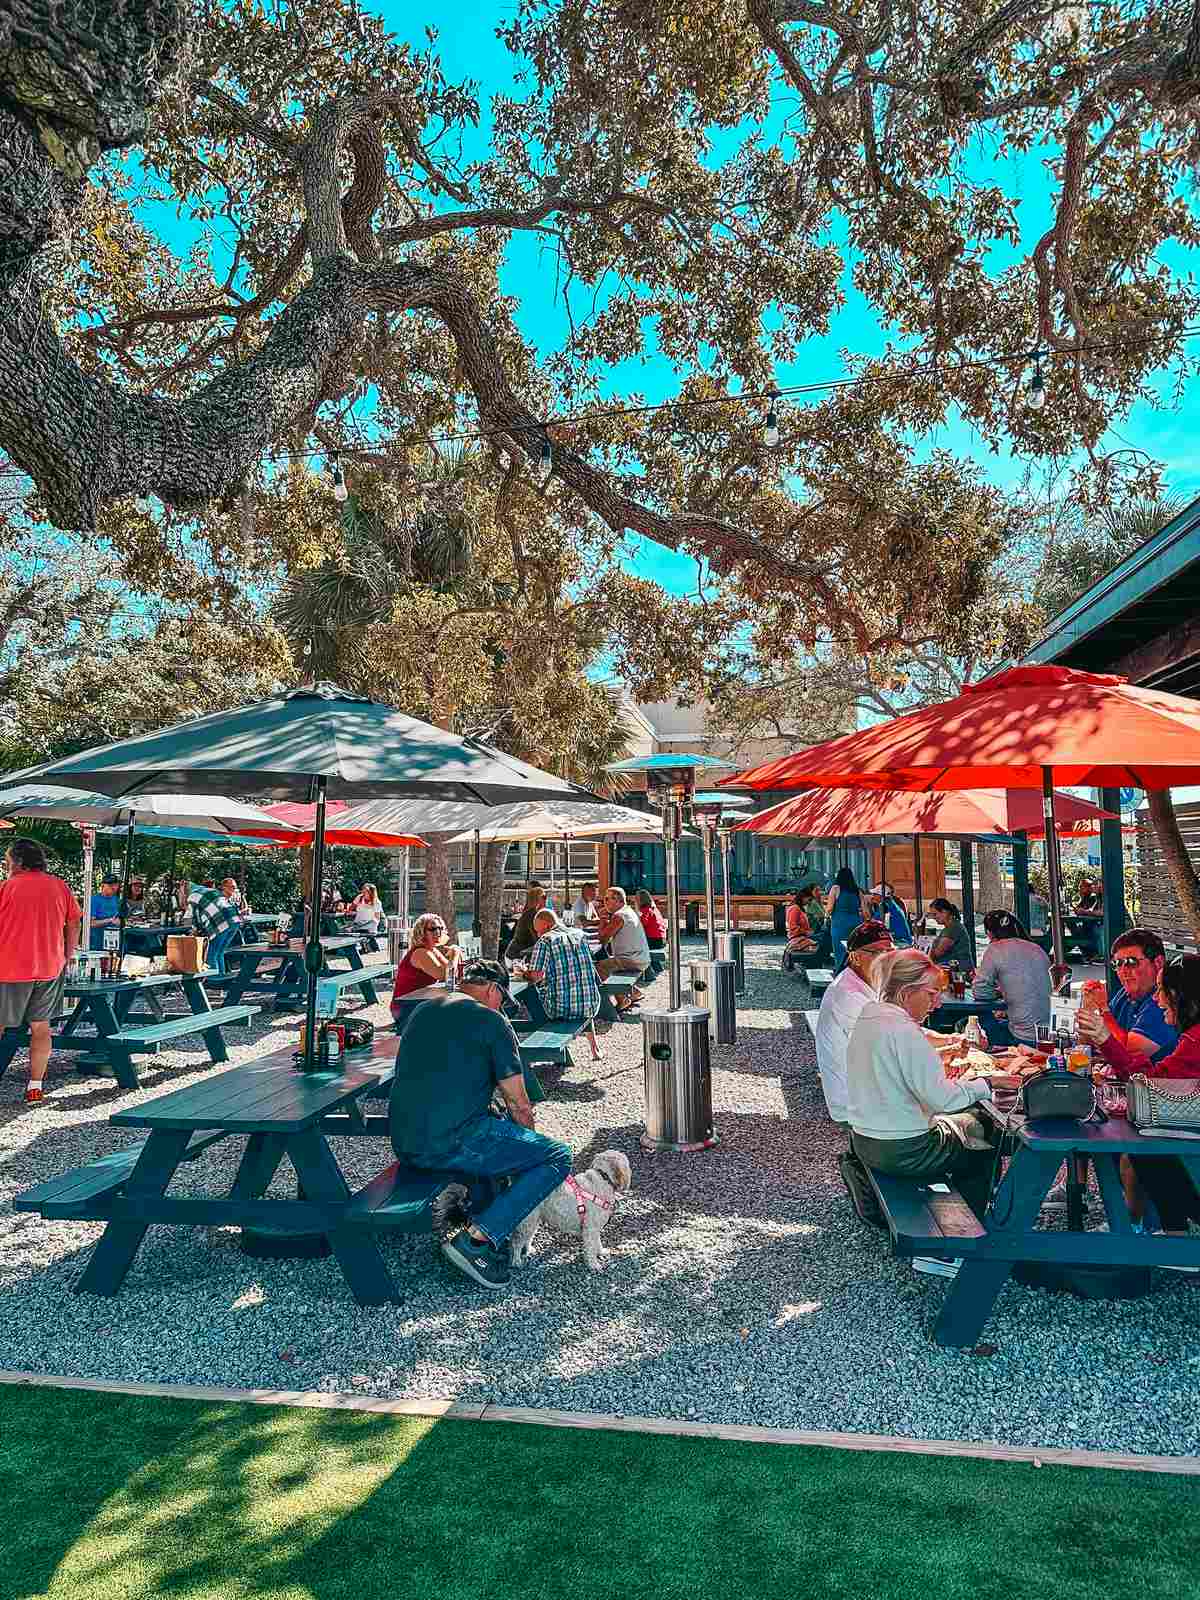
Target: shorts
<point>31,1002</point>
<point>610,964</point>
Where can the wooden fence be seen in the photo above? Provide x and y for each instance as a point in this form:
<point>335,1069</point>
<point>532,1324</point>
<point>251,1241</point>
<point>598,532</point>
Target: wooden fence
<point>1154,896</point>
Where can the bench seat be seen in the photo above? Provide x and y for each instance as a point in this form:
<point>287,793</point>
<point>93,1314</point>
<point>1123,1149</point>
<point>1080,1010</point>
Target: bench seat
<point>620,983</point>
<point>75,1194</point>
<point>924,1221</point>
<point>147,1040</point>
<point>548,1041</point>
<point>400,1198</point>
<point>379,972</point>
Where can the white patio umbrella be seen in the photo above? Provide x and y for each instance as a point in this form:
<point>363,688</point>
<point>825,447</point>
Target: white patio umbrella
<point>51,802</point>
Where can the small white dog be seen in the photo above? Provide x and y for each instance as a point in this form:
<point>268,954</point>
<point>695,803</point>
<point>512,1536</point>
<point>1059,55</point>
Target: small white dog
<point>583,1204</point>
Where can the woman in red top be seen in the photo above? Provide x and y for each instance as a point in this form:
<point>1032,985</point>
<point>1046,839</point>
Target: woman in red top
<point>1165,1178</point>
<point>429,958</point>
<point>653,920</point>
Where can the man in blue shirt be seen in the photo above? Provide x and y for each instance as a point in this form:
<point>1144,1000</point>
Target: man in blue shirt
<point>105,910</point>
<point>455,1054</point>
<point>1138,957</point>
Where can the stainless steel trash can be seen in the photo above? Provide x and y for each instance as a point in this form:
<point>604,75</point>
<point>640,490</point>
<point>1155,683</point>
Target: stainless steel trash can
<point>712,987</point>
<point>678,1080</point>
<point>397,930</point>
<point>731,946</point>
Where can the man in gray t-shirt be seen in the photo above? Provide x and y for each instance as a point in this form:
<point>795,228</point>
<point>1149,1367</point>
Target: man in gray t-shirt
<point>622,931</point>
<point>1015,967</point>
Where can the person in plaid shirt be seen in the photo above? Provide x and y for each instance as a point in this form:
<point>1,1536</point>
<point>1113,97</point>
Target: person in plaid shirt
<point>561,965</point>
<point>217,918</point>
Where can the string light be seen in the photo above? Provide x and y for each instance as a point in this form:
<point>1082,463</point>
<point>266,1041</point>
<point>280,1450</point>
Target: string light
<point>771,431</point>
<point>340,492</point>
<point>1035,390</point>
<point>547,452</point>
<point>934,369</point>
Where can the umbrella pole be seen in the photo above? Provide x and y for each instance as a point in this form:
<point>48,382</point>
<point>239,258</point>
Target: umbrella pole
<point>567,876</point>
<point>168,915</point>
<point>89,868</point>
<point>125,870</point>
<point>1060,970</point>
<point>313,953</point>
<point>883,863</point>
<point>476,924</point>
<point>967,875</point>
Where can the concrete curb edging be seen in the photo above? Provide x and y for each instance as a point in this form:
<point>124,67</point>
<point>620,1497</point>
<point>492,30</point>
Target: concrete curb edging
<point>484,1411</point>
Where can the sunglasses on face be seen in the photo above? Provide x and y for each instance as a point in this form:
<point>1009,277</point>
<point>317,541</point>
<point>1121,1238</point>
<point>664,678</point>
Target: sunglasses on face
<point>1121,962</point>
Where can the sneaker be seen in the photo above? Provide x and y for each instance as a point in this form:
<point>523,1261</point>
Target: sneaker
<point>937,1268</point>
<point>34,1095</point>
<point>488,1266</point>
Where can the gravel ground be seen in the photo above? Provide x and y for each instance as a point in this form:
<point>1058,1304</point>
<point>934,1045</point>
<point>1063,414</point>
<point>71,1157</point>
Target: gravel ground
<point>740,1287</point>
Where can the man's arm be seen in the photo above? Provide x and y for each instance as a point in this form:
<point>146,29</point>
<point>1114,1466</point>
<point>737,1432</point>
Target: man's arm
<point>516,1100</point>
<point>71,935</point>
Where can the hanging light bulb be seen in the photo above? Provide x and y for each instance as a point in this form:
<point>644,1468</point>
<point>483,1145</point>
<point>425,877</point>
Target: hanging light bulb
<point>547,452</point>
<point>340,492</point>
<point>1035,389</point>
<point>771,430</point>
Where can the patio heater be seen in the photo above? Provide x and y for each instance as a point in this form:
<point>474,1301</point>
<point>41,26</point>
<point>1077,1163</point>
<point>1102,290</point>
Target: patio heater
<point>731,941</point>
<point>675,1042</point>
<point>714,981</point>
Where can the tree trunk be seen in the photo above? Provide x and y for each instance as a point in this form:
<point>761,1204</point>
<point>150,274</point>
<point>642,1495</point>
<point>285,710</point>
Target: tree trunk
<point>991,894</point>
<point>439,891</point>
<point>306,871</point>
<point>1178,863</point>
<point>491,896</point>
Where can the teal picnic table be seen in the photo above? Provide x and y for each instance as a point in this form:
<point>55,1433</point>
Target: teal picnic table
<point>280,1113</point>
<point>111,1007</point>
<point>277,971</point>
<point>1010,1237</point>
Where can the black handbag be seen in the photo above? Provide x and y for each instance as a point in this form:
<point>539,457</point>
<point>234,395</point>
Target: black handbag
<point>1058,1093</point>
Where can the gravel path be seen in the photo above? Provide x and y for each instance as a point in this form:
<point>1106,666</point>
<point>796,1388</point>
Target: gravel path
<point>740,1286</point>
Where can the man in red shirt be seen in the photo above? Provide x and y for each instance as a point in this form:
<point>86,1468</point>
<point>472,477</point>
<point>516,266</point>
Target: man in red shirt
<point>39,930</point>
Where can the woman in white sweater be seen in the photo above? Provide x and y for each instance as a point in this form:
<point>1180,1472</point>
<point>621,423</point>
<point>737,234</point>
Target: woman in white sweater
<point>896,1084</point>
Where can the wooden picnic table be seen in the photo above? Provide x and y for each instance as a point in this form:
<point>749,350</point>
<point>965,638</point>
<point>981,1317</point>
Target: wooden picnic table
<point>1010,1236</point>
<point>278,970</point>
<point>150,938</point>
<point>108,1005</point>
<point>280,1113</point>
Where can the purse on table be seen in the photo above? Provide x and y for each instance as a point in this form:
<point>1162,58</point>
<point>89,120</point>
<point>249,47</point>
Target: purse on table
<point>1058,1094</point>
<point>1163,1103</point>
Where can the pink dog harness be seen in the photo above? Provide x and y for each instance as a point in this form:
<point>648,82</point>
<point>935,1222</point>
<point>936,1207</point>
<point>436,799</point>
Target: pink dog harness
<point>582,1194</point>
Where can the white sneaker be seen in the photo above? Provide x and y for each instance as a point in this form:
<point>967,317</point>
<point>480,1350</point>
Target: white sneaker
<point>936,1267</point>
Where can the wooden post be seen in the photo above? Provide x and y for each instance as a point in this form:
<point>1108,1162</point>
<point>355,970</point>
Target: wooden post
<point>1112,870</point>
<point>967,873</point>
<point>1021,877</point>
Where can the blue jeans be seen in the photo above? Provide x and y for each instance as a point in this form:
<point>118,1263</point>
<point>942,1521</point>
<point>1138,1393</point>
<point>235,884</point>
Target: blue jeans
<point>217,946</point>
<point>497,1148</point>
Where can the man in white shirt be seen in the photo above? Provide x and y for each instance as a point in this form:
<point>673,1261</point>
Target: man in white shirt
<point>845,997</point>
<point>586,910</point>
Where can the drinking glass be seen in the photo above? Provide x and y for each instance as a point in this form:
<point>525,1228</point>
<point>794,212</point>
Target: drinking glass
<point>1044,1036</point>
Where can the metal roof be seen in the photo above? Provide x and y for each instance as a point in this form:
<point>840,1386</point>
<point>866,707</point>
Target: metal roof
<point>1152,591</point>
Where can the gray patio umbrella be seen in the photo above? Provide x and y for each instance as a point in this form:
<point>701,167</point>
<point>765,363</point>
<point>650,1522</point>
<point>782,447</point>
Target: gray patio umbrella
<point>310,743</point>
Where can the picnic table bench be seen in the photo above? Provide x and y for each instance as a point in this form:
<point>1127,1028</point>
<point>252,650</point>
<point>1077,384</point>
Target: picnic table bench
<point>109,1006</point>
<point>935,1220</point>
<point>362,978</point>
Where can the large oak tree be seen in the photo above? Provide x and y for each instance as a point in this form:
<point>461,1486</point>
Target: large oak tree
<point>701,177</point>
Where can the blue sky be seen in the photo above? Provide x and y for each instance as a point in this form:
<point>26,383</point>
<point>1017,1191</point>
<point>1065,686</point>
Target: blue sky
<point>469,49</point>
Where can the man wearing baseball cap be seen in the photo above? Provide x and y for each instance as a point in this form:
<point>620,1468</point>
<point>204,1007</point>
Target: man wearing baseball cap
<point>456,1051</point>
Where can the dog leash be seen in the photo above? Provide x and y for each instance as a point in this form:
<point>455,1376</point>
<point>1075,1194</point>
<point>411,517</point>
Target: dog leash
<point>582,1194</point>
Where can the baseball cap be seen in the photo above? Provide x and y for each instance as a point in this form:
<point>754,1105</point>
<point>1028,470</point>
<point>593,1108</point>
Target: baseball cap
<point>479,971</point>
<point>870,932</point>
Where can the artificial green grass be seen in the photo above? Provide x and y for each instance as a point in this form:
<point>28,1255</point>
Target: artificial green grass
<point>113,1496</point>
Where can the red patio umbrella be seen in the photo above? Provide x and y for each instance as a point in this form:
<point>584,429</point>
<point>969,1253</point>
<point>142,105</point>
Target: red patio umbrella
<point>301,816</point>
<point>847,813</point>
<point>1028,728</point>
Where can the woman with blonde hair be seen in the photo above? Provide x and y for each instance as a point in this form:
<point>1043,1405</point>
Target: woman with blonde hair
<point>367,909</point>
<point>429,959</point>
<point>897,1086</point>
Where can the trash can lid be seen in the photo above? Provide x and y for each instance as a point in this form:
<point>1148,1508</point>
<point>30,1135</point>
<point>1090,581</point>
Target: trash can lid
<point>684,1014</point>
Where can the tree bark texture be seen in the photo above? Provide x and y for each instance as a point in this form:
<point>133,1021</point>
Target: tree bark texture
<point>1178,863</point>
<point>991,894</point>
<point>439,890</point>
<point>491,896</point>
